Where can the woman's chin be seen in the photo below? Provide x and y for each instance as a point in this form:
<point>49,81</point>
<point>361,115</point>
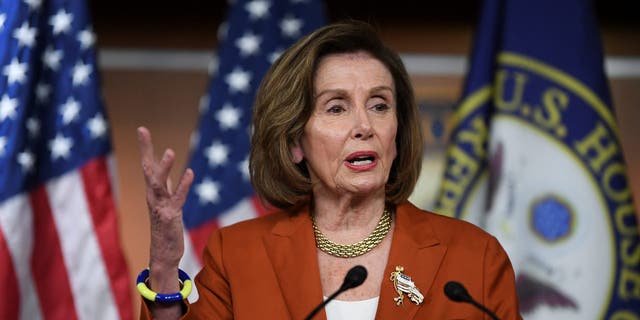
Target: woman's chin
<point>364,190</point>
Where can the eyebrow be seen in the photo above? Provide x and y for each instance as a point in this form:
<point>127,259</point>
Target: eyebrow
<point>343,92</point>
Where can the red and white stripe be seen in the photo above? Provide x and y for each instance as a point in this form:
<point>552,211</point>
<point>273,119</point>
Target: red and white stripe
<point>60,257</point>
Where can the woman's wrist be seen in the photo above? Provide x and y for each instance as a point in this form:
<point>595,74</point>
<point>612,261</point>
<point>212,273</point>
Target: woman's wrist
<point>181,283</point>
<point>163,279</point>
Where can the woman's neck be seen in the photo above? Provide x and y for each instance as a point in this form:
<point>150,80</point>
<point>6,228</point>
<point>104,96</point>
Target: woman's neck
<point>352,216</point>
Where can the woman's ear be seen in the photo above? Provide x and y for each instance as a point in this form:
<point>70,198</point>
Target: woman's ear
<point>296,152</point>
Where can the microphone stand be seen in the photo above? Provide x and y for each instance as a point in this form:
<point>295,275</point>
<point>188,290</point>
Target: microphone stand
<point>324,303</point>
<point>354,278</point>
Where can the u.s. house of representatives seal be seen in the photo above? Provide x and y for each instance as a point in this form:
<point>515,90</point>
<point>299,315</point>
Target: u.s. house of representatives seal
<point>550,184</point>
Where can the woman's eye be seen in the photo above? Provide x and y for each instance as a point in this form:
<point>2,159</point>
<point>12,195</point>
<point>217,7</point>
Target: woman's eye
<point>381,107</point>
<point>335,109</point>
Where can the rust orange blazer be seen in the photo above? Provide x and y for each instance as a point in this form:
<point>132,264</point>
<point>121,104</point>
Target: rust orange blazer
<point>267,268</point>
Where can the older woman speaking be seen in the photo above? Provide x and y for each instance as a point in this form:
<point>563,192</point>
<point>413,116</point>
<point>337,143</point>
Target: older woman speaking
<point>336,147</point>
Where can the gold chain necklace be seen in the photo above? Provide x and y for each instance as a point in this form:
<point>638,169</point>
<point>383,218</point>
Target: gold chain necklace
<point>358,248</point>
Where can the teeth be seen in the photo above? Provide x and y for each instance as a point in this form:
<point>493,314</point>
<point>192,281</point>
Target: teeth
<point>361,162</point>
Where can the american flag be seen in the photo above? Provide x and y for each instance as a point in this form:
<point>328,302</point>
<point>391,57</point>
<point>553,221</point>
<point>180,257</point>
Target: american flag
<point>254,35</point>
<point>60,256</point>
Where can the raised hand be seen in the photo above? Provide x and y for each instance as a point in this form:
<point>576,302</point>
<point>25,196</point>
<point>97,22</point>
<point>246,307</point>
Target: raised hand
<point>165,213</point>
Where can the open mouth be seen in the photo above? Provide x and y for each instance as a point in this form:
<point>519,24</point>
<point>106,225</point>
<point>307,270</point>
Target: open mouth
<point>361,160</point>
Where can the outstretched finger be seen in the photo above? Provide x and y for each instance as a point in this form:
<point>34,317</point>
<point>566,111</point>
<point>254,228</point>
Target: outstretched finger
<point>147,157</point>
<point>164,166</point>
<point>169,184</point>
<point>145,144</point>
<point>183,186</point>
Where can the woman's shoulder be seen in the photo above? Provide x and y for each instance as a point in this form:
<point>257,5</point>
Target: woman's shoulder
<point>277,222</point>
<point>251,234</point>
<point>261,223</point>
<point>444,228</point>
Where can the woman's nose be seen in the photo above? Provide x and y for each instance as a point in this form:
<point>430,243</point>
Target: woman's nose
<point>362,128</point>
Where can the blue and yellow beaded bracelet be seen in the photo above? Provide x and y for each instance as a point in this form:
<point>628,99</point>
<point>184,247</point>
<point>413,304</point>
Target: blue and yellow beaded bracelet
<point>187,286</point>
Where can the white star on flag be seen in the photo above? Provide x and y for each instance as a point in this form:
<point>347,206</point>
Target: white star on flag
<point>97,126</point>
<point>222,30</point>
<point>194,139</point>
<point>238,80</point>
<point>212,68</point>
<point>291,26</point>
<point>3,18</point>
<point>87,38</point>
<point>257,9</point>
<point>203,106</point>
<point>26,36</point>
<point>228,116</point>
<point>26,161</point>
<point>275,55</point>
<point>3,145</point>
<point>61,21</point>
<point>42,92</point>
<point>81,73</point>
<point>248,44</point>
<point>33,126</point>
<point>243,166</point>
<point>217,154</point>
<point>208,191</point>
<point>60,147</point>
<point>33,4</point>
<point>52,58</point>
<point>15,71</point>
<point>69,110</point>
<point>8,107</point>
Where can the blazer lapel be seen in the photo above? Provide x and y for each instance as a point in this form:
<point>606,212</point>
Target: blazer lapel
<point>416,249</point>
<point>291,249</point>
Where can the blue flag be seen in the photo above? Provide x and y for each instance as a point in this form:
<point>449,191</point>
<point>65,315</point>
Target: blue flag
<point>255,34</point>
<point>60,256</point>
<point>535,159</point>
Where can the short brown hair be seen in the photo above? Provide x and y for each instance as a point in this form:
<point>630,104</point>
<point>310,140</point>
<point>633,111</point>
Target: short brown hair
<point>284,104</point>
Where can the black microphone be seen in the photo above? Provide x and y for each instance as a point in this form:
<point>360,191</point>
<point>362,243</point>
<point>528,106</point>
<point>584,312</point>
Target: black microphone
<point>354,278</point>
<point>457,292</point>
